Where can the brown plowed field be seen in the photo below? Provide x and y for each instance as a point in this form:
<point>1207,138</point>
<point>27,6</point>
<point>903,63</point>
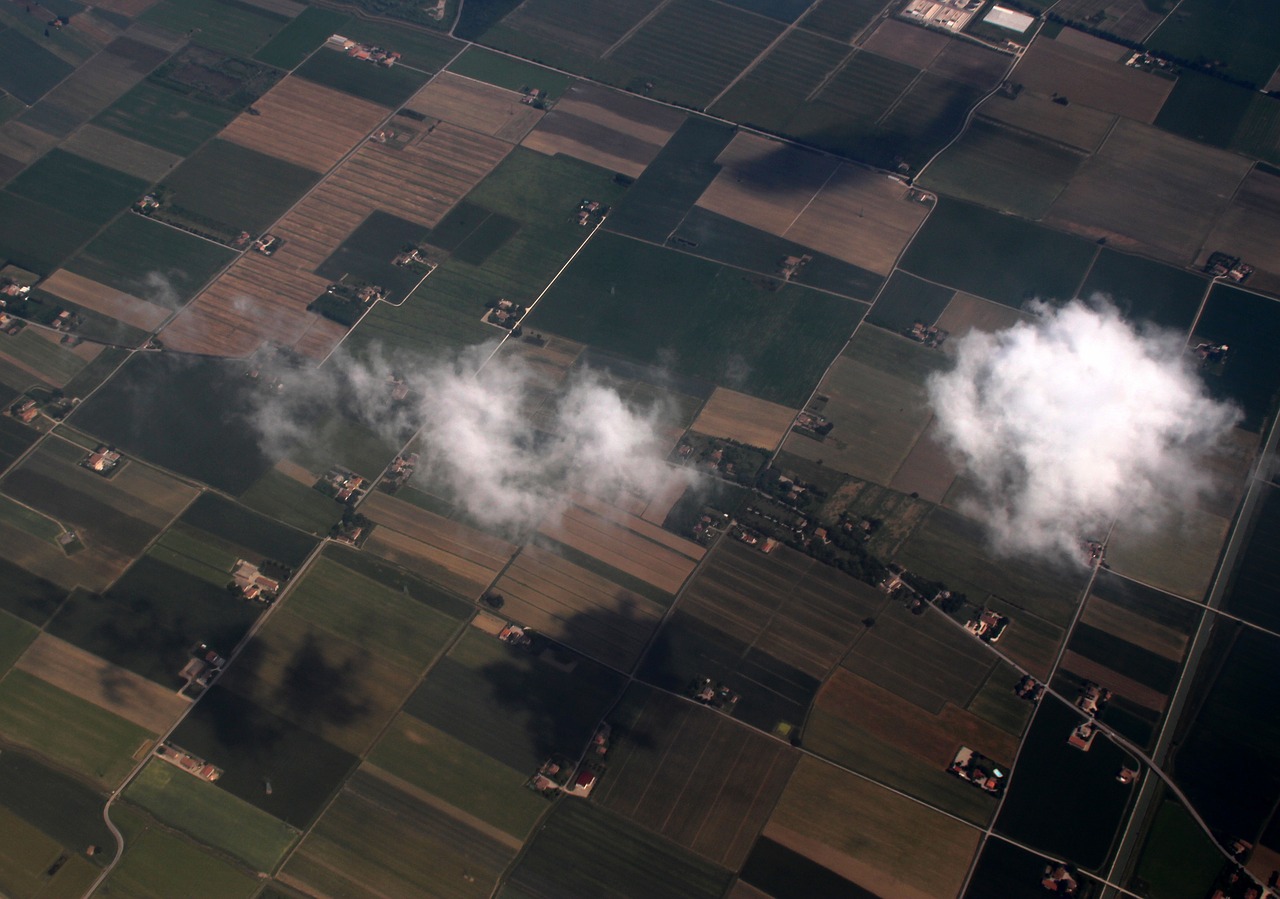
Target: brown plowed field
<point>666,496</point>
<point>971,64</point>
<point>620,548</point>
<point>1137,629</point>
<point>1052,67</point>
<point>577,607</point>
<point>485,108</point>
<point>1167,208</point>
<point>130,8</point>
<point>599,507</point>
<point>700,778</point>
<point>261,298</point>
<point>744,418</point>
<point>305,123</point>
<point>765,183</point>
<point>104,299</point>
<point>1123,687</point>
<point>108,686</point>
<point>606,128</point>
<point>967,313</point>
<point>24,143</point>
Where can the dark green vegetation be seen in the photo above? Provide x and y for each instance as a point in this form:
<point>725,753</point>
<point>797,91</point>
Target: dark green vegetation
<point>1253,592</point>
<point>164,118</point>
<point>158,863</point>
<point>187,415</point>
<point>1238,37</point>
<point>785,874</point>
<point>60,805</point>
<point>583,850</point>
<point>1007,871</point>
<point>657,202</point>
<point>37,237</point>
<point>152,616</point>
<point>1080,787</point>
<point>305,33</point>
<point>997,257</point>
<point>77,187</point>
<point>472,233</point>
<point>235,27</point>
<point>253,745</point>
<point>361,78</point>
<point>227,521</point>
<point>713,236</point>
<point>365,256</point>
<point>227,81</point>
<point>1223,114</point>
<point>1177,859</point>
<point>510,704</point>
<point>905,300</point>
<point>1250,325</point>
<point>15,437</point>
<point>842,19</point>
<point>504,71</point>
<point>15,637</point>
<point>782,10</point>
<point>1145,290</point>
<point>253,189</point>
<point>29,70</point>
<point>149,260</point>
<point>298,505</point>
<point>747,332</point>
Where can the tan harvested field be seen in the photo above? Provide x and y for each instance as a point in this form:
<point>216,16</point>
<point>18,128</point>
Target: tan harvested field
<point>1053,67</point>
<point>911,44</point>
<point>263,299</point>
<point>485,108</point>
<point>24,143</point>
<point>681,546</point>
<point>122,153</point>
<point>928,470</point>
<point>971,64</point>
<point>305,123</point>
<point>664,497</point>
<point>765,183</point>
<point>967,313</point>
<point>1250,226</point>
<point>1123,687</point>
<point>1074,125</point>
<point>1132,20</point>
<point>296,472</point>
<point>931,738</point>
<point>1262,861</point>
<point>743,890</point>
<point>1137,629</point>
<point>1179,557</point>
<point>606,128</point>
<point>131,696</point>
<point>871,835</point>
<point>744,418</point>
<point>577,607</point>
<point>110,302</point>
<point>786,604</point>
<point>1165,209</point>
<point>699,778</point>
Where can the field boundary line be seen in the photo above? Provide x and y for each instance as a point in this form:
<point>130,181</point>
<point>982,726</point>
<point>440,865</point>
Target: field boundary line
<point>631,32</point>
<point>750,67</point>
<point>805,208</point>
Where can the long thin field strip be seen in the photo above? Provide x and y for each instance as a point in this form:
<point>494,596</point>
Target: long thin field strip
<point>110,302</point>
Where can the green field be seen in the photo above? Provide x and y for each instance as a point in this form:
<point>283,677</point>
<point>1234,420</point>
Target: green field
<point>996,702</point>
<point>164,118</point>
<point>698,318</point>
<point>151,261</point>
<point>161,865</point>
<point>284,499</point>
<point>239,28</point>
<point>30,70</point>
<point>305,33</point>
<point>211,815</point>
<point>1011,171</point>
<point>997,257</point>
<point>504,71</point>
<point>390,623</point>
<point>510,704</point>
<point>583,850</point>
<point>77,187</point>
<point>361,78</point>
<point>254,189</point>
<point>225,520</point>
<point>905,300</point>
<point>464,777</point>
<point>1177,859</point>
<point>37,237</point>
<point>26,857</point>
<point>56,364</point>
<point>15,636</point>
<point>1238,36</point>
<point>68,731</point>
<point>770,93</point>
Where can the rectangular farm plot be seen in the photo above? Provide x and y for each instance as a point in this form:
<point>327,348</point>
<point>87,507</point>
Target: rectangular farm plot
<point>577,607</point>
<point>161,863</point>
<point>124,153</point>
<point>1180,556</point>
<point>378,840</point>
<point>1166,210</point>
<point>1075,125</point>
<point>27,856</point>
<point>110,687</point>
<point>110,302</point>
<point>698,778</point>
<point>1052,68</point>
<point>743,418</point>
<point>305,123</point>
<point>1248,226</point>
<point>605,128</point>
<point>467,103</point>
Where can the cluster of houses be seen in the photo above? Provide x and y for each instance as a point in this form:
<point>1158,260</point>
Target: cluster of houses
<point>533,96</point>
<point>591,212</point>
<point>930,335</point>
<point>717,696</point>
<point>376,55</point>
<point>1211,353</point>
<point>26,410</point>
<point>790,266</point>
<point>399,472</point>
<point>193,765</point>
<point>249,581</point>
<point>103,460</point>
<point>343,485</point>
<point>148,204</point>
<point>987,625</point>
<point>504,313</point>
<point>949,15</point>
<point>557,775</point>
<point>1059,880</point>
<point>413,256</point>
<point>978,770</point>
<point>204,665</point>
<point>267,244</point>
<point>811,424</point>
<point>1092,700</point>
<point>1223,265</point>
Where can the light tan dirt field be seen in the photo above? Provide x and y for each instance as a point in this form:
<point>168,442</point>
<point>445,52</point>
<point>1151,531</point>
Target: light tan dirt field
<point>100,298</point>
<point>468,103</point>
<point>744,418</point>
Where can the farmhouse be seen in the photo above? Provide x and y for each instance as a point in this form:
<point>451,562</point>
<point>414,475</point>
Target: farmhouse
<point>188,762</point>
<point>1057,879</point>
<point>102,460</point>
<point>1093,699</point>
<point>252,583</point>
<point>25,410</point>
<point>978,770</point>
<point>988,625</point>
<point>950,15</point>
<point>1082,737</point>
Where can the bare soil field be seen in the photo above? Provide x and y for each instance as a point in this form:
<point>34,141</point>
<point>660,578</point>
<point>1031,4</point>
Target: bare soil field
<point>1166,209</point>
<point>577,607</point>
<point>305,123</point>
<point>766,184</point>
<point>970,64</point>
<point>927,471</point>
<point>703,780</point>
<point>482,107</point>
<point>24,143</point>
<point>260,299</point>
<point>131,696</point>
<point>1076,125</point>
<point>296,472</point>
<point>967,313</point>
<point>1123,687</point>
<point>122,153</point>
<point>744,418</point>
<point>1055,68</point>
<point>606,128</point>
<point>911,44</point>
<point>439,566</point>
<point>1249,226</point>
<point>930,738</point>
<point>100,298</point>
<point>1139,630</point>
